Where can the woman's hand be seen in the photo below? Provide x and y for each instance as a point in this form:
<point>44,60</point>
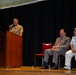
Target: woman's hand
<point>74,51</point>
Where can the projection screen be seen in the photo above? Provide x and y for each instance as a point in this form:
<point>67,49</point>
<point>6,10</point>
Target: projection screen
<point>14,3</point>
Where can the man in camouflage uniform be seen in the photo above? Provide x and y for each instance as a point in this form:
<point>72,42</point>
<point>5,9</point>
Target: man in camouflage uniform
<point>16,28</point>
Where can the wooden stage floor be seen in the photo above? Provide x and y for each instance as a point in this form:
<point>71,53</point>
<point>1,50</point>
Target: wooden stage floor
<point>27,70</point>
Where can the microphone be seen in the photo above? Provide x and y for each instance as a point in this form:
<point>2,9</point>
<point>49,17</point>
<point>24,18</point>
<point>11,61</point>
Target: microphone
<point>11,26</point>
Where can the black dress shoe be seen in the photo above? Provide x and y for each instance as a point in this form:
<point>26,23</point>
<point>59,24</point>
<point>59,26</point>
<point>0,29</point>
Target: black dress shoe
<point>45,67</point>
<point>54,68</point>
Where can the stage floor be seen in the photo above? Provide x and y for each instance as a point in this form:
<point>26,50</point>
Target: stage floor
<point>27,70</point>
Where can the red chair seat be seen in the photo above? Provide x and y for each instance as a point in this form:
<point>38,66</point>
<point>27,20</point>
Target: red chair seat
<point>39,55</point>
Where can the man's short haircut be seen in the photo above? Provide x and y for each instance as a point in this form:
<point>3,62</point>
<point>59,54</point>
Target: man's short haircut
<point>63,29</point>
<point>16,19</point>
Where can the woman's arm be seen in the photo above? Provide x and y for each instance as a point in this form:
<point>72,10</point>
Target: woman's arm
<point>72,48</point>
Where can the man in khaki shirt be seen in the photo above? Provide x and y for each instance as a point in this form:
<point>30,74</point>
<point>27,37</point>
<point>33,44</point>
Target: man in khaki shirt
<point>16,28</point>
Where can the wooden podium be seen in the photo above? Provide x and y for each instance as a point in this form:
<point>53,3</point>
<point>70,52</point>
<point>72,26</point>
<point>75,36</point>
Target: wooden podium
<point>10,49</point>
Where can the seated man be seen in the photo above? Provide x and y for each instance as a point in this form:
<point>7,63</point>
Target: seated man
<point>60,47</point>
<point>69,54</point>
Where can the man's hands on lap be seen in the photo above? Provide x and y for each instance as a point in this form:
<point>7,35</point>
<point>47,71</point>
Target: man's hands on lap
<point>55,47</point>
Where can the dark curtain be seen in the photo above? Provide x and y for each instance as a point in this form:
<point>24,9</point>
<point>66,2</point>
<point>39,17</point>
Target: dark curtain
<point>42,22</point>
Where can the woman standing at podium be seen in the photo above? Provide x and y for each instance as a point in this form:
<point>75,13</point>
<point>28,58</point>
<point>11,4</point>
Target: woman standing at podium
<point>16,28</point>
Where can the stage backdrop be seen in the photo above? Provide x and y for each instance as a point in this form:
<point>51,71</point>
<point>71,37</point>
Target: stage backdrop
<point>42,22</point>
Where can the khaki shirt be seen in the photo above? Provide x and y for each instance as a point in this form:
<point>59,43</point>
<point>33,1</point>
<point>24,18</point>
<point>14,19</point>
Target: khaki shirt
<point>17,29</point>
